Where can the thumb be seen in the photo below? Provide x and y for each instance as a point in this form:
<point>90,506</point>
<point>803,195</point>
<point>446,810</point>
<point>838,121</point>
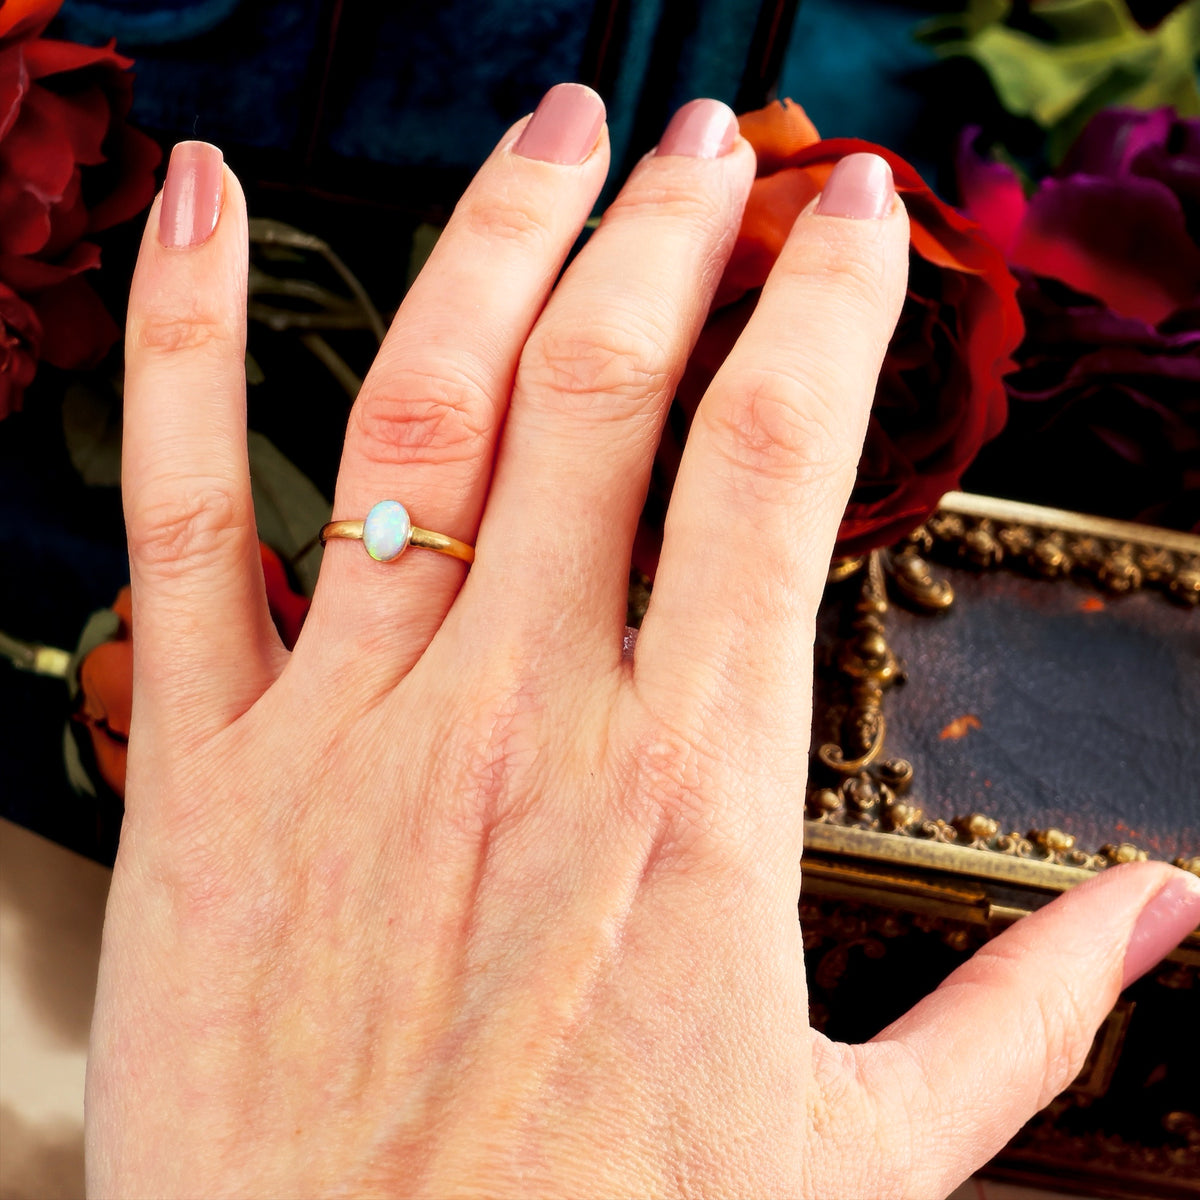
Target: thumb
<point>1010,1029</point>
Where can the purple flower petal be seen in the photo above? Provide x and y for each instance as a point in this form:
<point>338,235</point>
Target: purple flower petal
<point>1113,138</point>
<point>990,192</point>
<point>1123,241</point>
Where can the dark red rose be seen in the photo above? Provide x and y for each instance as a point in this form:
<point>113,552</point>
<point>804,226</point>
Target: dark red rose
<point>288,608</point>
<point>1105,408</point>
<point>1105,412</point>
<point>106,672</point>
<point>20,342</point>
<point>940,395</point>
<point>70,166</point>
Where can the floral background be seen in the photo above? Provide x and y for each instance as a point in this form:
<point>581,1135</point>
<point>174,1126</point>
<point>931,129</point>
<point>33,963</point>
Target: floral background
<point>1048,152</point>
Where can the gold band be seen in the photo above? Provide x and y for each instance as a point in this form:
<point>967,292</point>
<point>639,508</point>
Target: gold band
<point>425,539</point>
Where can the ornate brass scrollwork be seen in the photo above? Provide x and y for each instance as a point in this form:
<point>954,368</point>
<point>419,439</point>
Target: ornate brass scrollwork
<point>1113,555</point>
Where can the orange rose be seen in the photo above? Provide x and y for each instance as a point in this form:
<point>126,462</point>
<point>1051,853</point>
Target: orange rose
<point>105,696</point>
<point>941,394</point>
<point>106,672</point>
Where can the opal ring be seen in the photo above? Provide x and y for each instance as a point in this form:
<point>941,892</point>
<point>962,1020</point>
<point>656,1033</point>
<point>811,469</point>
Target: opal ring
<point>388,532</point>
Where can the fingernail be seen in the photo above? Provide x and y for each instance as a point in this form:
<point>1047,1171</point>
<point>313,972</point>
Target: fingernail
<point>861,187</point>
<point>191,201</point>
<point>564,127</point>
<point>700,129</point>
<point>1169,917</point>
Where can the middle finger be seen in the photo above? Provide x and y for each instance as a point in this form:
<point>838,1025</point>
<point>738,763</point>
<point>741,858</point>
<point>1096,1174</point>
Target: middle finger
<point>594,384</point>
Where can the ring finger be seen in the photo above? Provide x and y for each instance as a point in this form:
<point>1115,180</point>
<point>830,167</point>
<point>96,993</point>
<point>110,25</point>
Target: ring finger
<point>424,426</point>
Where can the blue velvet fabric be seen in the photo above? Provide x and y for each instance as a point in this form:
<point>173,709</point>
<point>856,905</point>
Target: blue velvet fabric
<point>327,83</point>
<point>858,69</point>
<point>233,72</point>
<point>406,84</point>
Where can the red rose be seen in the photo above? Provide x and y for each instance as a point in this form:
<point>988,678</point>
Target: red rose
<point>940,395</point>
<point>20,342</point>
<point>106,672</point>
<point>69,167</point>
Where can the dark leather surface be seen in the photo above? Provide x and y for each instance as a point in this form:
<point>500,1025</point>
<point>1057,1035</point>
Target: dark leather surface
<point>1088,710</point>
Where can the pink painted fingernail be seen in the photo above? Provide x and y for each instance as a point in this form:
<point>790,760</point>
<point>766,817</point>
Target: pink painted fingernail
<point>861,187</point>
<point>1173,912</point>
<point>564,127</point>
<point>191,200</point>
<point>700,129</point>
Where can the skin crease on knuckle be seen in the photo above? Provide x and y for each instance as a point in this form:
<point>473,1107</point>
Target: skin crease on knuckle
<point>177,535</point>
<point>419,418</point>
<point>772,430</point>
<point>1059,1016</point>
<point>606,370</point>
<point>689,210</point>
<point>507,212</point>
<point>186,328</point>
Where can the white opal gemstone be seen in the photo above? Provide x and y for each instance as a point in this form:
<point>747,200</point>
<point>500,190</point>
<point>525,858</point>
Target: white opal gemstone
<point>386,530</point>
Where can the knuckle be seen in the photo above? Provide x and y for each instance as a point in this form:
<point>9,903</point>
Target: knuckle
<point>580,366</point>
<point>510,218</point>
<point>669,770</point>
<point>775,426</point>
<point>1061,1021</point>
<point>187,529</point>
<point>192,329</point>
<point>422,418</point>
<point>494,749</point>
<point>675,203</point>
<point>843,262</point>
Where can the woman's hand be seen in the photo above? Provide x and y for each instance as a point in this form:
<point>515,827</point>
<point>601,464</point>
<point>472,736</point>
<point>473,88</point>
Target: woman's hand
<point>458,898</point>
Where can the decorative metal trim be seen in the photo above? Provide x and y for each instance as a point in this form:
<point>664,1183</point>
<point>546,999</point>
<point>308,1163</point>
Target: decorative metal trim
<point>858,788</point>
<point>1117,556</point>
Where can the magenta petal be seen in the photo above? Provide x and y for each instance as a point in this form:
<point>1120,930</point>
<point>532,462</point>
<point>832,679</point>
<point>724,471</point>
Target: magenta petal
<point>991,193</point>
<point>1124,241</point>
<point>1176,163</point>
<point>1113,138</point>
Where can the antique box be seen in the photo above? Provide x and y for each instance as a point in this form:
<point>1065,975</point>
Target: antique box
<point>1006,702</point>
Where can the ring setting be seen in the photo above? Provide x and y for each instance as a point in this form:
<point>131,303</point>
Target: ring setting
<point>388,531</point>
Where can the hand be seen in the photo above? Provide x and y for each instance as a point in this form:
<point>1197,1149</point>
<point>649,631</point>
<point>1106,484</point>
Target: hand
<point>459,899</point>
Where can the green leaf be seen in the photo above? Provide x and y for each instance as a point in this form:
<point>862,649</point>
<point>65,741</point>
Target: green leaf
<point>424,238</point>
<point>81,782</point>
<point>288,507</point>
<point>254,372</point>
<point>92,430</point>
<point>1093,55</point>
<point>102,626</point>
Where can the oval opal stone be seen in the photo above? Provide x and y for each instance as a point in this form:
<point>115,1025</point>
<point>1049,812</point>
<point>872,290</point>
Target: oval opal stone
<point>386,530</point>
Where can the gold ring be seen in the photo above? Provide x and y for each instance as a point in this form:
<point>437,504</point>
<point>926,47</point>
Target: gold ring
<point>388,532</point>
